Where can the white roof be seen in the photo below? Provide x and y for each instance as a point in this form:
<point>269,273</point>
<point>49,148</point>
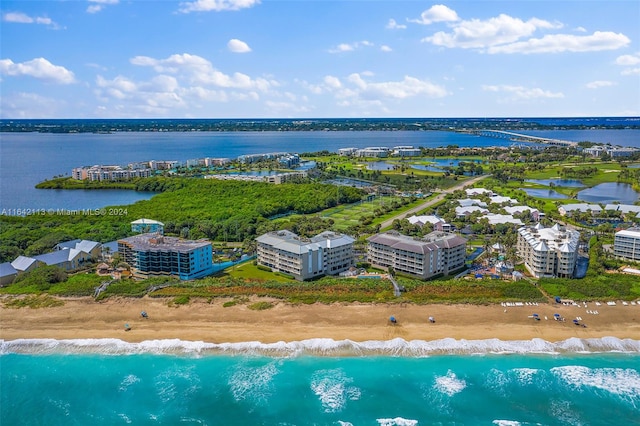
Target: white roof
<point>624,208</point>
<point>290,242</point>
<point>466,202</point>
<point>86,245</point>
<point>519,209</point>
<point>499,199</point>
<point>22,263</point>
<point>425,219</point>
<point>495,219</point>
<point>477,191</point>
<point>146,222</point>
<point>631,232</point>
<point>469,210</point>
<point>550,239</point>
<point>582,207</point>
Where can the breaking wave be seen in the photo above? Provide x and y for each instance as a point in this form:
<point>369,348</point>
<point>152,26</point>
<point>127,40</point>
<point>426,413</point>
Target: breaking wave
<point>320,347</point>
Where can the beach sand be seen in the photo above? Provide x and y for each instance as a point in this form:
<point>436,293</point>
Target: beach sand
<point>83,318</point>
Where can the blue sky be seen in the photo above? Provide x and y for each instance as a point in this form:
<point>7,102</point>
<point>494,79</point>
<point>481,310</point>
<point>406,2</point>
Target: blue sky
<point>298,58</point>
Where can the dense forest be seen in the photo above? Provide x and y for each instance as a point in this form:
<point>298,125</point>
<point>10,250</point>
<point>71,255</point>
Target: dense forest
<point>190,208</point>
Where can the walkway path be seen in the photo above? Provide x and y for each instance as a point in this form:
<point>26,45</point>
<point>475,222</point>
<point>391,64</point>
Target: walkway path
<point>387,223</point>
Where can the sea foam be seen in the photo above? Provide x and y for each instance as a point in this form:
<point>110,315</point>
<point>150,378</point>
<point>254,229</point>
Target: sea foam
<point>320,347</point>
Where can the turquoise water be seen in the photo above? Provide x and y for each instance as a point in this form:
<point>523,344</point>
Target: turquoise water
<point>106,382</point>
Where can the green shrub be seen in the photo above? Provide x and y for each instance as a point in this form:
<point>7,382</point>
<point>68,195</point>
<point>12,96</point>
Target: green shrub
<point>181,300</point>
<point>33,302</point>
<point>264,268</point>
<point>260,306</point>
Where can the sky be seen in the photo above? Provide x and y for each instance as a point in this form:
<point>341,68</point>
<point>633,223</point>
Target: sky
<point>318,59</point>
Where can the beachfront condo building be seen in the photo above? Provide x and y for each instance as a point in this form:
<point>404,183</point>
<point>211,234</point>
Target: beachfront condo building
<point>328,253</point>
<point>435,254</point>
<point>627,244</point>
<point>548,252</point>
<point>151,255</point>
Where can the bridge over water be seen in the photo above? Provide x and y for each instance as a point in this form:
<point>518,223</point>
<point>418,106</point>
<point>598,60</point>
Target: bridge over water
<point>518,137</point>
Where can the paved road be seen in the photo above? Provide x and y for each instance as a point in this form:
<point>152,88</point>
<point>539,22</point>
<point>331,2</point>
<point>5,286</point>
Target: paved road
<point>387,223</point>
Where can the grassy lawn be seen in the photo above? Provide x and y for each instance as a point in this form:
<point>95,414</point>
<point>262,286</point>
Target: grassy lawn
<point>345,216</point>
<point>248,270</point>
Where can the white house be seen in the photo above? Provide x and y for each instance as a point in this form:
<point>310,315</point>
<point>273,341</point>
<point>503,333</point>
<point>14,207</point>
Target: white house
<point>569,209</point>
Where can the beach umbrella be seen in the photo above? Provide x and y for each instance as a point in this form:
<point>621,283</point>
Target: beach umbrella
<point>556,315</point>
<point>392,319</point>
<point>575,321</point>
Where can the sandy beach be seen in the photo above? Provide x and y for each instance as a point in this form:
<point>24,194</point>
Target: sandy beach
<point>83,318</point>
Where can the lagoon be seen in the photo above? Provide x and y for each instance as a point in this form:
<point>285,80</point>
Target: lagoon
<point>571,183</point>
<point>610,192</point>
<point>544,193</point>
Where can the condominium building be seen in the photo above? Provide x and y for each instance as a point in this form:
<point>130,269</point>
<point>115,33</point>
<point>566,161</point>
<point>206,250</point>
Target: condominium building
<point>436,254</point>
<point>373,151</point>
<point>100,173</point>
<point>151,255</point>
<point>548,252</point>
<point>627,244</point>
<point>328,253</point>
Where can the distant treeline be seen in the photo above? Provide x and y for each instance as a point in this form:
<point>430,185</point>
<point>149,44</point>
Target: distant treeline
<point>247,125</point>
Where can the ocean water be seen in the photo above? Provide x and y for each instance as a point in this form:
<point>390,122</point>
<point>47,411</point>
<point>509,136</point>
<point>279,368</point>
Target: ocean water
<point>320,382</point>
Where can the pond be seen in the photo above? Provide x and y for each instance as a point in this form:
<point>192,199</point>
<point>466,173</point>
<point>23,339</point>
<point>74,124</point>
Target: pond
<point>544,193</point>
<point>427,168</point>
<point>435,164</point>
<point>609,192</point>
<point>379,165</point>
<point>572,183</point>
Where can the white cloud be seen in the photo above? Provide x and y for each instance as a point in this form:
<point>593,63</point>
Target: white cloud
<point>393,25</point>
<point>356,89</point>
<point>522,93</point>
<point>332,82</point>
<point>631,71</point>
<point>386,48</point>
<point>39,68</point>
<point>32,105</point>
<point>23,18</point>
<point>200,71</point>
<point>599,83</point>
<point>96,6</point>
<point>436,13</point>
<point>350,47</point>
<point>628,60</point>
<point>216,5</point>
<point>580,30</point>
<point>477,34</point>
<point>238,46</point>
<point>18,17</point>
<point>558,43</point>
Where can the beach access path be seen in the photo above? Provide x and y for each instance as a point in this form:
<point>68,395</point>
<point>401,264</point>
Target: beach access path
<point>387,223</point>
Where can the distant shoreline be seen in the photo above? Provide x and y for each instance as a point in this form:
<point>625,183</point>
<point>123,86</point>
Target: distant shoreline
<point>107,126</point>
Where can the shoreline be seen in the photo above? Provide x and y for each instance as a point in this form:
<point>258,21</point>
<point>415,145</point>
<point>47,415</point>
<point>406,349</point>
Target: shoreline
<point>200,321</point>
